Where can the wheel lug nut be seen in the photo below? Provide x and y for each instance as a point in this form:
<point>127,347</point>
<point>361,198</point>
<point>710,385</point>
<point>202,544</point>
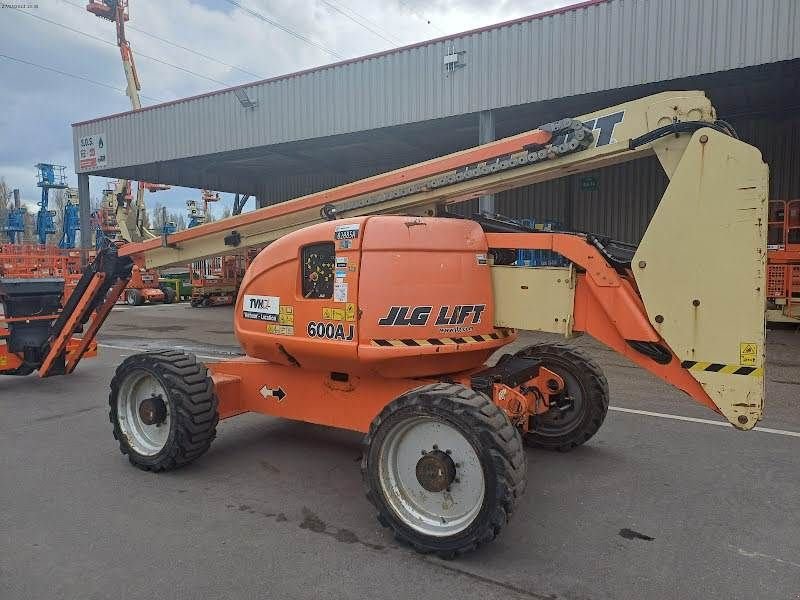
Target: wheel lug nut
<point>448,451</point>
<point>424,452</point>
<point>456,480</point>
<point>435,447</point>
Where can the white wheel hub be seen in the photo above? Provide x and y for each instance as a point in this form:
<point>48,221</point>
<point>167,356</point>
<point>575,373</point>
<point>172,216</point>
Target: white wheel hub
<point>143,413</point>
<point>431,476</point>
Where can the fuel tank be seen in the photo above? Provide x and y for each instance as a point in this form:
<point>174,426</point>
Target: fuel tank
<point>392,295</point>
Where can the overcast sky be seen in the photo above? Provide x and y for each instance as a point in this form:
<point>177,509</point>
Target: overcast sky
<point>37,107</point>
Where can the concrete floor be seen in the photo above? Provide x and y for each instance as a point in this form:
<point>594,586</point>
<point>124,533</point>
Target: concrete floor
<point>276,509</point>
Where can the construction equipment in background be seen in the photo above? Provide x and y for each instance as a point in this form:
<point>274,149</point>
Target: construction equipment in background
<point>70,219</point>
<point>783,262</point>
<point>381,324</point>
<point>48,177</point>
<point>195,214</point>
<point>104,220</point>
<point>215,281</point>
<point>145,287</point>
<point>33,261</point>
<point>14,227</point>
<point>116,11</point>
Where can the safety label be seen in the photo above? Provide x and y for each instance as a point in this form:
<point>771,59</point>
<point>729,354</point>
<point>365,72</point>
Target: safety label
<point>346,232</point>
<point>3,361</point>
<point>286,315</point>
<point>350,311</point>
<point>341,262</point>
<point>93,151</point>
<point>261,308</point>
<point>280,329</point>
<point>333,314</point>
<point>748,353</point>
<point>340,292</point>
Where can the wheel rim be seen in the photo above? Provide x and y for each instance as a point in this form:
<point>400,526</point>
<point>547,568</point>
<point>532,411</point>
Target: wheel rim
<point>138,394</point>
<point>435,513</point>
<point>555,422</point>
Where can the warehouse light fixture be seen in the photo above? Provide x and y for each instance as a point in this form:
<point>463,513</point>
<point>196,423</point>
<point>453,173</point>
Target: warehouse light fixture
<point>244,99</point>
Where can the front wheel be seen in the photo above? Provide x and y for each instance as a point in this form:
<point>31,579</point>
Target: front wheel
<point>444,467</point>
<point>163,409</point>
<point>575,414</point>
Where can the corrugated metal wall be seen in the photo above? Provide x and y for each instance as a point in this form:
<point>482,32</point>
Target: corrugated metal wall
<point>627,195</point>
<point>604,46</point>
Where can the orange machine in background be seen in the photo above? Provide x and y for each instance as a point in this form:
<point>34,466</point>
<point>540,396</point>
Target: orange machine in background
<point>33,261</point>
<point>144,287</point>
<point>783,262</point>
<point>215,281</point>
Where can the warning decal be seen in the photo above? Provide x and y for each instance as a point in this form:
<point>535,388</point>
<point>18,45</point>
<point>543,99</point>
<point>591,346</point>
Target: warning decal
<point>748,353</point>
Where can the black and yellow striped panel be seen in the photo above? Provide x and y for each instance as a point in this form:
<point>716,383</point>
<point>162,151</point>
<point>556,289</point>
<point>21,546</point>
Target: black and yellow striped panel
<point>710,367</point>
<point>467,339</point>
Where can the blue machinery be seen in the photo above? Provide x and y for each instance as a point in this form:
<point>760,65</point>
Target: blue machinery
<point>71,220</point>
<point>51,177</point>
<point>540,258</point>
<point>15,222</point>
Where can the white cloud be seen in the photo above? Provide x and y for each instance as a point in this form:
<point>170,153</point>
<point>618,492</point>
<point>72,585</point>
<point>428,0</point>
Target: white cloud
<point>38,107</point>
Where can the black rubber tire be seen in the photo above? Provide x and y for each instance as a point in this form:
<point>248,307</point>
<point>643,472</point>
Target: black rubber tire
<point>169,295</point>
<point>563,359</point>
<point>496,441</point>
<point>191,399</point>
<point>134,297</point>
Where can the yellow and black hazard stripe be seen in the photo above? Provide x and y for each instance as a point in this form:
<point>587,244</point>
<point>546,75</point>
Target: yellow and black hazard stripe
<point>467,339</point>
<point>709,367</point>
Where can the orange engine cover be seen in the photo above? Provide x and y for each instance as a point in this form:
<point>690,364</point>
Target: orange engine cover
<point>396,296</point>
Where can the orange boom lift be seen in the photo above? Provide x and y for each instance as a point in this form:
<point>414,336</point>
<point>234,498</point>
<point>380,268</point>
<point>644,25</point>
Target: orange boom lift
<point>373,309</point>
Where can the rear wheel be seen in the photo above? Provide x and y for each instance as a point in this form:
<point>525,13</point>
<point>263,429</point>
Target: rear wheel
<point>578,412</point>
<point>134,297</point>
<point>163,409</point>
<point>444,467</point>
<point>169,295</point>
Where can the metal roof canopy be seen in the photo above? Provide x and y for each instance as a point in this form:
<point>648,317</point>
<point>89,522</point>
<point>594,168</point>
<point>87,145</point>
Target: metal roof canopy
<point>325,126</point>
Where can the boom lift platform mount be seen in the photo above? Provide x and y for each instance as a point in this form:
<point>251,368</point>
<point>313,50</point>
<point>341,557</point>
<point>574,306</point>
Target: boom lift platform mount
<point>381,324</point>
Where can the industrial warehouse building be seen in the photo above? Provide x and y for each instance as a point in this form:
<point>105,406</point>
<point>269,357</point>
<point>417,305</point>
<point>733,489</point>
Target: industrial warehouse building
<point>293,135</point>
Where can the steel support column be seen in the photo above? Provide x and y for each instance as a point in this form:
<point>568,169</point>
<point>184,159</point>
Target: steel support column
<point>85,208</point>
<point>486,134</point>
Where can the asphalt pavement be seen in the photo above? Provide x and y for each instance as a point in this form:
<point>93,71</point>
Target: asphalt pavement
<point>652,507</point>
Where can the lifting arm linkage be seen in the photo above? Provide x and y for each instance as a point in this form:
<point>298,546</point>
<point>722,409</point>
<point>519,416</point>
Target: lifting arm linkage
<point>608,307</point>
<point>689,307</point>
<point>97,290</point>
